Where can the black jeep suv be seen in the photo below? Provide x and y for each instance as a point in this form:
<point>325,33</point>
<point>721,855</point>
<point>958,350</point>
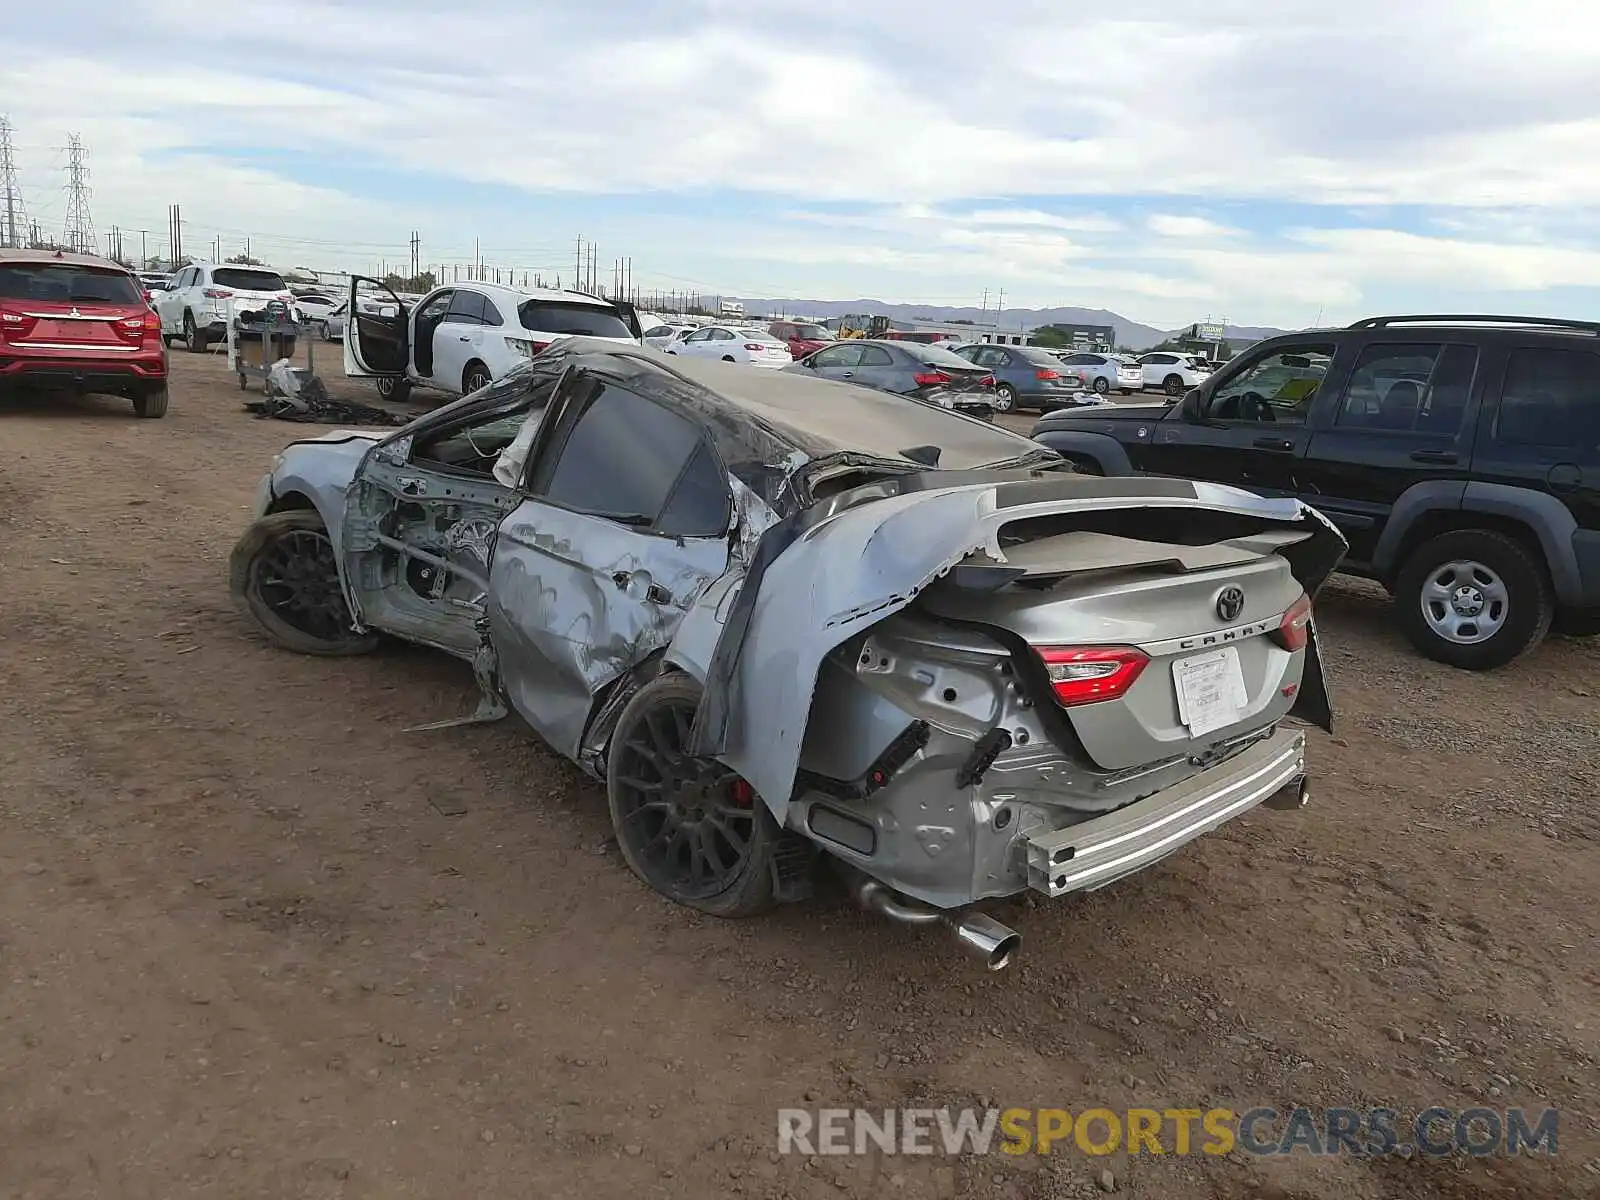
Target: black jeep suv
<point>1460,455</point>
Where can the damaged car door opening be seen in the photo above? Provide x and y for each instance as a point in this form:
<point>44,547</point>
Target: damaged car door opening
<point>788,622</point>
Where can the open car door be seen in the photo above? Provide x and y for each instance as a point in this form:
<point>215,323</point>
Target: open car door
<point>377,342</point>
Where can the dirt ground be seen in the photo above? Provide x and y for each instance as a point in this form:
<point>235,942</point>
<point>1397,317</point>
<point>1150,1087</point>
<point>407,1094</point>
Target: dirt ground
<point>256,941</point>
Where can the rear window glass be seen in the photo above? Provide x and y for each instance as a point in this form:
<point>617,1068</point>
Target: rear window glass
<point>1039,358</point>
<point>934,356</point>
<point>68,284</point>
<point>579,320</point>
<point>247,280</point>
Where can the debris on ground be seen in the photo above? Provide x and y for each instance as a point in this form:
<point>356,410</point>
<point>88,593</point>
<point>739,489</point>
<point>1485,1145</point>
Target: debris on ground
<point>307,401</point>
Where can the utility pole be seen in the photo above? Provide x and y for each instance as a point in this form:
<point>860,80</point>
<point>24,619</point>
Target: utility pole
<point>416,250</point>
<point>12,218</point>
<point>79,228</point>
<point>594,264</point>
<point>175,235</point>
<point>577,265</point>
<point>984,311</point>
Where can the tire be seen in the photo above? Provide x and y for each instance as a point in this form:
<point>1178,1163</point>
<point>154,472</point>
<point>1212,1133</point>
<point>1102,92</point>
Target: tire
<point>150,405</point>
<point>1102,385</point>
<point>657,795</point>
<point>1005,397</point>
<point>192,337</point>
<point>474,377</point>
<point>394,389</point>
<point>256,578</point>
<point>1503,578</point>
<point>729,358</point>
<point>1578,623</point>
<point>1172,385</point>
<point>1125,391</point>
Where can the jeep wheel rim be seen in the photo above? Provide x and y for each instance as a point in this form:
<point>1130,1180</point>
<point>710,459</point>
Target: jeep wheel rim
<point>1465,602</point>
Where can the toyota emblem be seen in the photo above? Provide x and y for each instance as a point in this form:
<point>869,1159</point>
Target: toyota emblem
<point>1230,603</point>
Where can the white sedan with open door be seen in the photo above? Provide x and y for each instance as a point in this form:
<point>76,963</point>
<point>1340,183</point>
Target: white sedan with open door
<point>462,337</point>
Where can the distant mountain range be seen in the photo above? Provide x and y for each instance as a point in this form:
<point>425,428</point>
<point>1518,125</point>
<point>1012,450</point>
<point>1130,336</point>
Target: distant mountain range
<point>1129,333</point>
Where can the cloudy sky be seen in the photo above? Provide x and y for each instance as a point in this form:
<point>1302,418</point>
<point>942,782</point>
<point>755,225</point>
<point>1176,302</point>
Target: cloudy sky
<point>1259,162</point>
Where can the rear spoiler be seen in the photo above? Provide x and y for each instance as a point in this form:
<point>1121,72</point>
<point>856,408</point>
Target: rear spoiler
<point>630,317</point>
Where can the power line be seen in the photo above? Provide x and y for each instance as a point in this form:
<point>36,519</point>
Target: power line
<point>79,228</point>
<point>13,219</point>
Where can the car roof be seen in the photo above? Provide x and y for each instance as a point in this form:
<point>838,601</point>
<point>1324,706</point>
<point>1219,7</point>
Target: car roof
<point>60,258</point>
<point>548,295</point>
<point>816,417</point>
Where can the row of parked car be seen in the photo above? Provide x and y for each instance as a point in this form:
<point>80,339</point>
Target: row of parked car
<point>1024,376</point>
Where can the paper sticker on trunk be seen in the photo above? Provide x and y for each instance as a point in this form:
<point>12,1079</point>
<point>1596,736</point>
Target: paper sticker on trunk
<point>1211,691</point>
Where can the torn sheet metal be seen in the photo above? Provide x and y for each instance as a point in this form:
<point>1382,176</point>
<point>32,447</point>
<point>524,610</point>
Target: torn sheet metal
<point>814,588</point>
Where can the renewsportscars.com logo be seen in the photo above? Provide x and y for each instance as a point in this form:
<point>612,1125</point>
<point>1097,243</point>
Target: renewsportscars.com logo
<point>1364,1132</point>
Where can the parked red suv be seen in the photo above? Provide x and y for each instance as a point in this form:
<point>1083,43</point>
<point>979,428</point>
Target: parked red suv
<point>80,323</point>
<point>803,336</point>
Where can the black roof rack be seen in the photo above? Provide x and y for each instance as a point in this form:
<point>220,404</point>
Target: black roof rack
<point>1478,319</point>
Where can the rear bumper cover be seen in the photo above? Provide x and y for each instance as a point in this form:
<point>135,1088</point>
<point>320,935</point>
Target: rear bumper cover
<point>1093,853</point>
<point>84,374</point>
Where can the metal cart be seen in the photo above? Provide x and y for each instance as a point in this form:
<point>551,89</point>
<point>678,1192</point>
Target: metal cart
<point>273,329</point>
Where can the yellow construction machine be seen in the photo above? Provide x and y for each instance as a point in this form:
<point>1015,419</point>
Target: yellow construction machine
<point>860,325</point>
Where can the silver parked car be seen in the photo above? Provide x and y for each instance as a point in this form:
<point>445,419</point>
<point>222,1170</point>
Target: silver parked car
<point>788,620</point>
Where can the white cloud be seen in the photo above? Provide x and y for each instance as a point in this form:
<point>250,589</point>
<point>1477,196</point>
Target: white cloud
<point>1168,225</point>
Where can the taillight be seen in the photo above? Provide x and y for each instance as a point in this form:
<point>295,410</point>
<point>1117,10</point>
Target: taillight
<point>216,293</point>
<point>1046,373</point>
<point>15,324</point>
<point>754,346</point>
<point>930,379</point>
<point>1295,628</point>
<point>1087,675</point>
<point>987,381</point>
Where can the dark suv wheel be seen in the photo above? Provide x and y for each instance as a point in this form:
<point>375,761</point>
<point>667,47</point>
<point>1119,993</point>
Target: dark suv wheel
<point>1474,598</point>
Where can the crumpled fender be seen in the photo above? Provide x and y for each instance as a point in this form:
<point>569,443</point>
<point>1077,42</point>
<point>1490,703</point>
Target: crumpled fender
<point>810,587</point>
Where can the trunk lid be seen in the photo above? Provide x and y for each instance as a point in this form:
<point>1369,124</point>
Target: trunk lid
<point>1205,619</point>
<point>58,305</point>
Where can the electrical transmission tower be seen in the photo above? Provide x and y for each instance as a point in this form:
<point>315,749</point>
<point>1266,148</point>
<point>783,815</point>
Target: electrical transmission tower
<point>13,221</point>
<point>79,230</point>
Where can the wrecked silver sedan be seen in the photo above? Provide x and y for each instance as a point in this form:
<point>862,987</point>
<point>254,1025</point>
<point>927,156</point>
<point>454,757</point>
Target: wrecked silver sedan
<point>788,620</point>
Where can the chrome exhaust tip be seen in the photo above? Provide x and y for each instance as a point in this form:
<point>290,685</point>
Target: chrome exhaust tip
<point>1291,797</point>
<point>977,934</point>
<point>985,939</point>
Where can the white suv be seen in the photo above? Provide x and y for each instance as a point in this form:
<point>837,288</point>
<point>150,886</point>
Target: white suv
<point>1173,373</point>
<point>462,337</point>
<point>195,305</point>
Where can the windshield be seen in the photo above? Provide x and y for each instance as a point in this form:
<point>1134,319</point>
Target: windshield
<point>248,280</point>
<point>812,333</point>
<point>67,284</point>
<point>579,320</point>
